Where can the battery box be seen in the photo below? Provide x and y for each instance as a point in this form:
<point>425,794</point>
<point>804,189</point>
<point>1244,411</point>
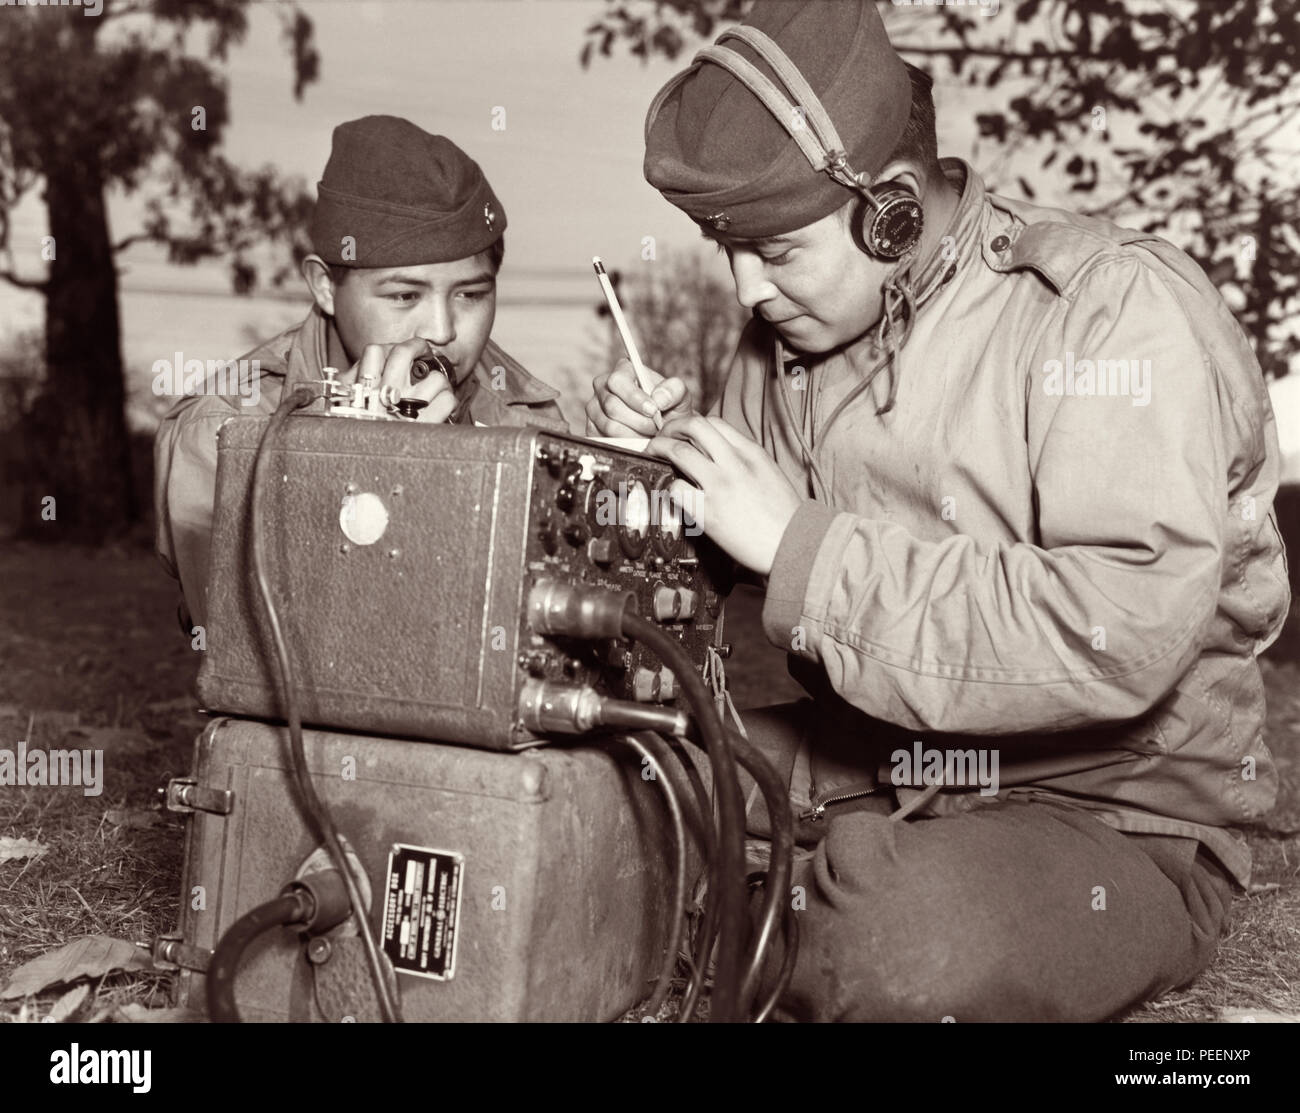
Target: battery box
<point>505,886</point>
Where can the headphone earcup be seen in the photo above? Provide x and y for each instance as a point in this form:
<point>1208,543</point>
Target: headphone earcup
<point>891,220</point>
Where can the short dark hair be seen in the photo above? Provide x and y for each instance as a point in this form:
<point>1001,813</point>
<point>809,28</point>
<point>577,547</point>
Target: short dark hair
<point>919,143</point>
<point>495,253</point>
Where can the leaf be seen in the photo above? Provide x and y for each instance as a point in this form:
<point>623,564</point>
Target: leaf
<point>1257,1016</point>
<point>66,1005</point>
<point>82,958</point>
<point>20,848</point>
<point>135,1013</point>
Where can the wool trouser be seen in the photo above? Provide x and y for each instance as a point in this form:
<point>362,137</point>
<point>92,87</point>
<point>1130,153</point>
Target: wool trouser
<point>1018,909</point>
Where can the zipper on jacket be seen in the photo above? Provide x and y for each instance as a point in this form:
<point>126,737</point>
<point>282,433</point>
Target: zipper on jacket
<point>822,800</point>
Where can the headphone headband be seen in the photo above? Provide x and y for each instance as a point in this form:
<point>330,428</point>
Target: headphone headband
<point>894,225</point>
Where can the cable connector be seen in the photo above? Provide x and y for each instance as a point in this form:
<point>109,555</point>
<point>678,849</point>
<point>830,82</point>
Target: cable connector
<point>323,898</point>
<point>576,611</point>
<point>551,707</point>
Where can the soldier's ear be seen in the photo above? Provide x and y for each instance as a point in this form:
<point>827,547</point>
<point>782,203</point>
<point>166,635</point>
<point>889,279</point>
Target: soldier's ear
<point>316,273</point>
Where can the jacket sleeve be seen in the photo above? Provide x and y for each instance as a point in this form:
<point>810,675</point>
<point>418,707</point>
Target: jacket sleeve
<point>1093,622</point>
<point>185,476</point>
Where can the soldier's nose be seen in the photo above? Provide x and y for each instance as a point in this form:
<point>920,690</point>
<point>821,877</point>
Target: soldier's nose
<point>752,288</point>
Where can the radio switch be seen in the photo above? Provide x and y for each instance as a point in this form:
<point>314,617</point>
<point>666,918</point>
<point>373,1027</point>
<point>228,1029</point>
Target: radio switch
<point>645,685</point>
<point>667,685</point>
<point>674,604</point>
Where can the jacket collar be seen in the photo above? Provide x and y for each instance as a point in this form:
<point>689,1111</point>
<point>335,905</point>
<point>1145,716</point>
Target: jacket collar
<point>960,237</point>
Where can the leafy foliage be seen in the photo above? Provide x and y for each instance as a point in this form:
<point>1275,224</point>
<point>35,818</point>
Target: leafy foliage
<point>1206,89</point>
<point>119,93</point>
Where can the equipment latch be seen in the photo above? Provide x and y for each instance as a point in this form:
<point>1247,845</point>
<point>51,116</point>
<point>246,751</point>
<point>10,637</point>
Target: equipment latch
<point>171,949</point>
<point>185,794</point>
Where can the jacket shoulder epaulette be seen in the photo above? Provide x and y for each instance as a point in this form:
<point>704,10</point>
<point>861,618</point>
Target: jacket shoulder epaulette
<point>1057,245</point>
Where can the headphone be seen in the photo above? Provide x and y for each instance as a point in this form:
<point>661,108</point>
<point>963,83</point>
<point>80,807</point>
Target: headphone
<point>890,220</point>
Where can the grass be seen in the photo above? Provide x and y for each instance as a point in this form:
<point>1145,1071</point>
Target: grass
<point>91,656</point>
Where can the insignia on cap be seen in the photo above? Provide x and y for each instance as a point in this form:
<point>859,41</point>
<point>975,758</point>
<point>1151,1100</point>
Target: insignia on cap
<point>488,215</point>
<point>720,221</point>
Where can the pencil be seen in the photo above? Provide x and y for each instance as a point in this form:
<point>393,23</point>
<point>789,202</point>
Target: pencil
<point>620,322</point>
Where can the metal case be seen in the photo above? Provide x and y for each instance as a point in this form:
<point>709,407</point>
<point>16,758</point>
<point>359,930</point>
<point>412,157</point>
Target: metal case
<point>565,883</point>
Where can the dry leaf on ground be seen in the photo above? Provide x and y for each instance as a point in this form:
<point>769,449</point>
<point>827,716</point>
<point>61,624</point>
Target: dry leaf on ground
<point>20,848</point>
<point>66,1005</point>
<point>1257,1016</point>
<point>135,1013</point>
<point>89,957</point>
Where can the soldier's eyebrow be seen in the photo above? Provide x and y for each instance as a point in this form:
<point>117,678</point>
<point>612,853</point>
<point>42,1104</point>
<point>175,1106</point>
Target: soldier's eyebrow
<point>741,241</point>
<point>486,277</point>
<point>401,280</point>
<point>477,280</point>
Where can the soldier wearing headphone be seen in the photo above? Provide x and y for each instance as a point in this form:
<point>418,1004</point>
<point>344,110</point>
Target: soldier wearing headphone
<point>1007,474</point>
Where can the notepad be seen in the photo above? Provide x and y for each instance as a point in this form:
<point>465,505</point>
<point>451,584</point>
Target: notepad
<point>627,444</point>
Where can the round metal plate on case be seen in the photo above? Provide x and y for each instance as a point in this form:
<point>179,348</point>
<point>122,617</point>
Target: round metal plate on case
<point>363,518</point>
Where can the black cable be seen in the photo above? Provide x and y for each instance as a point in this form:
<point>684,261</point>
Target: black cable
<point>780,870</point>
<point>727,876</point>
<point>787,965</point>
<point>230,950</point>
<point>702,822</point>
<point>702,799</point>
<point>317,815</point>
<point>669,965</point>
<point>700,961</point>
<point>778,878</point>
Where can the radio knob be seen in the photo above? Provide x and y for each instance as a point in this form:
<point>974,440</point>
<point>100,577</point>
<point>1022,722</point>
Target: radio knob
<point>665,604</point>
<point>674,604</point>
<point>575,533</point>
<point>645,685</point>
<point>667,685</point>
<point>565,497</point>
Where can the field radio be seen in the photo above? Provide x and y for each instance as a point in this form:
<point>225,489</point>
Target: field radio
<point>486,590</point>
<point>416,566</point>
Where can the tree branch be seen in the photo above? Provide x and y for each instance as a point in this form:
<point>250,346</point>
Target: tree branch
<point>1014,55</point>
<point>24,283</point>
<point>136,237</point>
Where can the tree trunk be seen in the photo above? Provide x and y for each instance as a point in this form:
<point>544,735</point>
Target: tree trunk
<point>79,449</point>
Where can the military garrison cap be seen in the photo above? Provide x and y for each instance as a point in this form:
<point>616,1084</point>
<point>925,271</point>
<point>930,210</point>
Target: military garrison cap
<point>403,196</point>
<point>717,152</point>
